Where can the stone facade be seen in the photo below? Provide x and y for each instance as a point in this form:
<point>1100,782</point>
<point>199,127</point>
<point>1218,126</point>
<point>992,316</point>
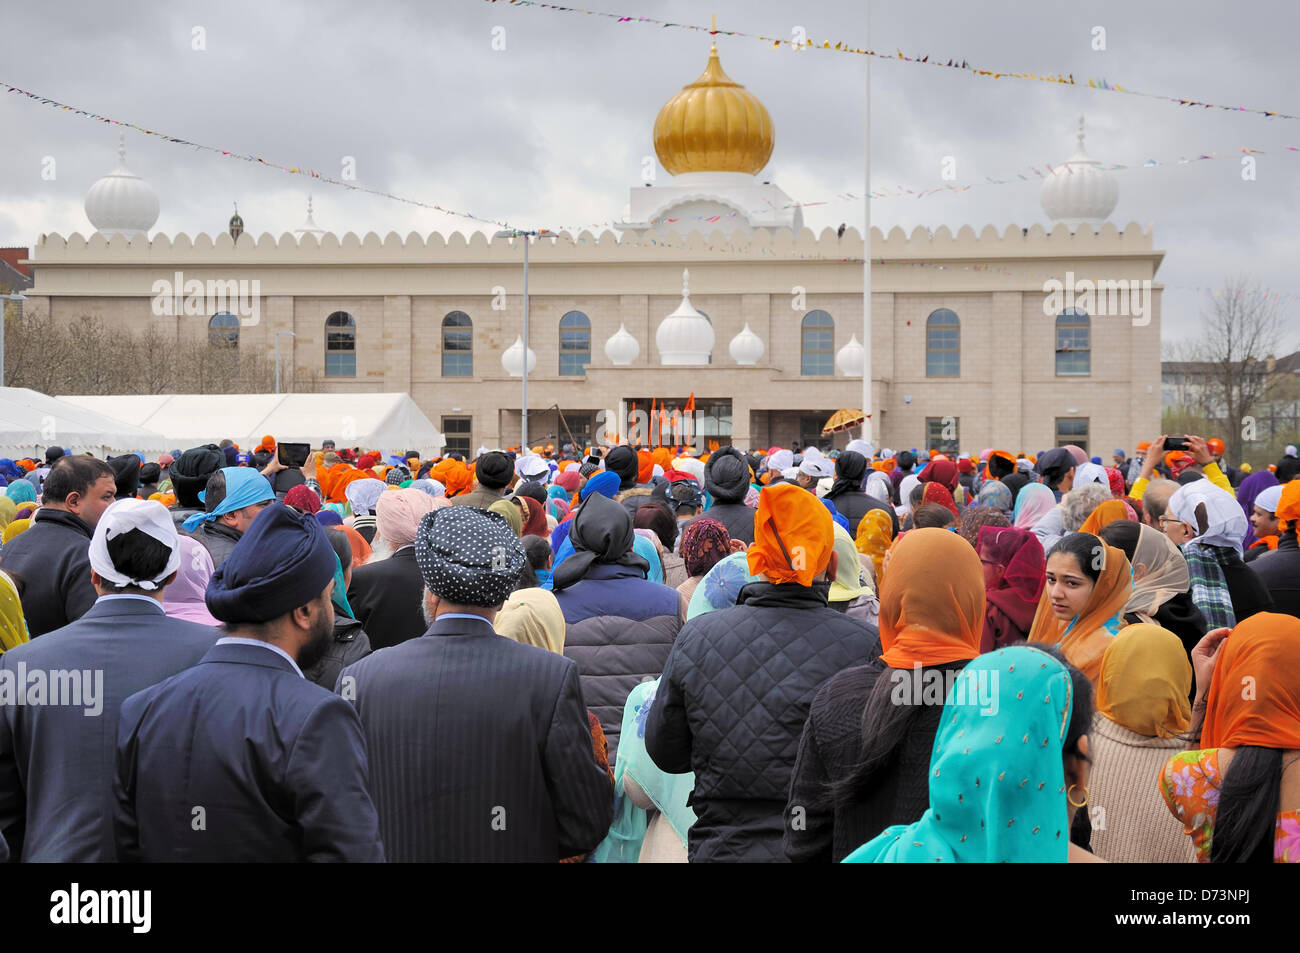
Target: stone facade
<point>1007,393</point>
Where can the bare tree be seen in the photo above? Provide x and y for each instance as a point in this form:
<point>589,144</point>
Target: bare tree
<point>1243,327</point>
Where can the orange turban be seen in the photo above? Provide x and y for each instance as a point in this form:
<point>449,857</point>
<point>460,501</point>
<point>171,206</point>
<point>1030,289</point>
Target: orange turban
<point>1107,512</point>
<point>1254,696</point>
<point>645,463</point>
<point>268,443</point>
<point>1288,504</point>
<point>664,457</point>
<point>932,601</point>
<point>793,535</point>
<point>452,474</point>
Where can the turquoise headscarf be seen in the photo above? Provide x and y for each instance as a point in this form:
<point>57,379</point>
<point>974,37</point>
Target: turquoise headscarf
<point>997,784</point>
<point>646,550</point>
<point>340,594</point>
<point>669,792</point>
<point>21,491</point>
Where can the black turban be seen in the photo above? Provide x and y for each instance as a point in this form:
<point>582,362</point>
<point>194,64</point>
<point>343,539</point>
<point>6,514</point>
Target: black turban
<point>602,533</point>
<point>726,475</point>
<point>622,460</point>
<point>494,470</point>
<point>190,474</point>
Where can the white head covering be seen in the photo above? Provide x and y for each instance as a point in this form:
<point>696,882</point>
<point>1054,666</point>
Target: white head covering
<point>532,467</point>
<point>1269,498</point>
<point>824,485</point>
<point>148,516</point>
<point>1090,473</point>
<point>364,494</point>
<point>1163,569</point>
<point>691,465</point>
<point>1225,520</point>
<point>818,466</point>
<point>1024,465</point>
<point>656,470</point>
<point>863,447</point>
<point>780,461</point>
<point>878,485</point>
<point>905,492</point>
<point>790,473</point>
<point>886,453</point>
<point>1290,450</point>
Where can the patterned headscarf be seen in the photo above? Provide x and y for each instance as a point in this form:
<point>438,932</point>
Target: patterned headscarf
<point>997,781</point>
<point>467,556</point>
<point>704,543</point>
<point>874,536</point>
<point>938,493</point>
<point>996,494</point>
<point>303,498</point>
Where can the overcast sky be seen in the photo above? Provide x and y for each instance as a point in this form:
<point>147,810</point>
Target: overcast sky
<point>552,129</point>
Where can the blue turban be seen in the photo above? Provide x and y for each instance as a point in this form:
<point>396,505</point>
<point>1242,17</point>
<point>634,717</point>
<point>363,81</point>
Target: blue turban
<point>835,515</point>
<point>329,518</point>
<point>282,562</point>
<point>21,492</point>
<point>244,487</point>
<point>606,484</point>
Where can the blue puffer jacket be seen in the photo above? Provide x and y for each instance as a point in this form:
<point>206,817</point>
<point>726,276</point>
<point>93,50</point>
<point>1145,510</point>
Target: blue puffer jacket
<point>731,707</point>
<point>618,628</point>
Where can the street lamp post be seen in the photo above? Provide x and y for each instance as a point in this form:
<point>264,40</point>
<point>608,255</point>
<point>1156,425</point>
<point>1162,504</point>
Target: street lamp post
<point>277,356</point>
<point>866,247</point>
<point>526,236</point>
<point>9,297</point>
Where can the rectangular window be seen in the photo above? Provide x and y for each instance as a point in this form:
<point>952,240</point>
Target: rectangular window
<point>457,431</point>
<point>943,434</point>
<point>457,351</point>
<point>1073,354</point>
<point>1072,430</point>
<point>943,354</point>
<point>575,351</point>
<point>340,363</point>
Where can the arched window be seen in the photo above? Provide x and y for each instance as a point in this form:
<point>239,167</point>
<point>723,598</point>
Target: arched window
<point>818,335</point>
<point>943,344</point>
<point>575,344</point>
<point>457,345</point>
<point>1073,343</point>
<point>340,345</point>
<point>223,329</point>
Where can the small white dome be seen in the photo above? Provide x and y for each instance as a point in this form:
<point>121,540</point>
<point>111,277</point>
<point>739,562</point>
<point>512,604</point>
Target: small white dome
<point>851,358</point>
<point>746,347</point>
<point>309,227</point>
<point>512,358</point>
<point>1080,190</point>
<point>622,349</point>
<point>685,337</point>
<point>122,203</point>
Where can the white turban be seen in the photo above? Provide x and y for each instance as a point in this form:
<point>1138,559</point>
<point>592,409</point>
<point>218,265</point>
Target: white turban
<point>152,519</point>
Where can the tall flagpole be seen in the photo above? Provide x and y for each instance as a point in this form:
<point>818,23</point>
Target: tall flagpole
<point>866,244</point>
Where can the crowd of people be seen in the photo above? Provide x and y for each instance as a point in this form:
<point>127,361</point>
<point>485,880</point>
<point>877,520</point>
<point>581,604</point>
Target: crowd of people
<point>650,655</point>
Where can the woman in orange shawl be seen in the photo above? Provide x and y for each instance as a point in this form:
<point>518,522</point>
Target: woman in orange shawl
<point>1231,795</point>
<point>1082,605</point>
<point>361,551</point>
<point>1107,512</point>
<point>870,731</point>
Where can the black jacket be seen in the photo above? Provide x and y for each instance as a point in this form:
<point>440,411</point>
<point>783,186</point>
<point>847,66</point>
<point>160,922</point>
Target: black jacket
<point>1249,593</point>
<point>731,707</point>
<point>218,539</point>
<point>737,517</point>
<point>818,828</point>
<point>53,558</point>
<point>1279,571</point>
<point>385,595</point>
<point>480,749</point>
<point>853,505</point>
<point>350,644</point>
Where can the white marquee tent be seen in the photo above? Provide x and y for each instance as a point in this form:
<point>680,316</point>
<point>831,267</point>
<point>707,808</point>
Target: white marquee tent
<point>31,421</point>
<point>388,422</point>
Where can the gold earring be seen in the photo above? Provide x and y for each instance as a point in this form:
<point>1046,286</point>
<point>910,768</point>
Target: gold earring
<point>1071,800</point>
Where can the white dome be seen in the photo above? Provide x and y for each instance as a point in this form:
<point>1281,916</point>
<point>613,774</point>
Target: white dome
<point>1080,190</point>
<point>746,347</point>
<point>309,227</point>
<point>512,358</point>
<point>622,349</point>
<point>122,203</point>
<point>685,336</point>
<point>851,358</point>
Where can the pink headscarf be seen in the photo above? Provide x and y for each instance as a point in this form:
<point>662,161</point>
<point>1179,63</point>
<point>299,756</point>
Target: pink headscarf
<point>183,599</point>
<point>398,514</point>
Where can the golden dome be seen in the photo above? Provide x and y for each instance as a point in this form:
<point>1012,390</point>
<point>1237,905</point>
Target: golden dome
<point>714,125</point>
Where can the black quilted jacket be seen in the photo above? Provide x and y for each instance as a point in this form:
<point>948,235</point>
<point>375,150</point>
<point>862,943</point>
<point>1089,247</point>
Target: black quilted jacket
<point>731,707</point>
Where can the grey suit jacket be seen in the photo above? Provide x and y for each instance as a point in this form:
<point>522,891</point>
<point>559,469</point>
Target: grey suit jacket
<point>58,740</point>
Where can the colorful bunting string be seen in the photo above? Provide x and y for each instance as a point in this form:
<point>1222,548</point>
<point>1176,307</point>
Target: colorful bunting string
<point>1060,79</point>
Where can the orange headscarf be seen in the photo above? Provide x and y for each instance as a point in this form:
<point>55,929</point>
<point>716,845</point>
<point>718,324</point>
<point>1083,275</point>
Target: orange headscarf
<point>662,456</point>
<point>329,482</point>
<point>1087,640</point>
<point>793,535</point>
<point>268,443</point>
<point>932,604</point>
<point>645,466</point>
<point>1254,696</point>
<point>361,550</point>
<point>875,533</point>
<point>1107,512</point>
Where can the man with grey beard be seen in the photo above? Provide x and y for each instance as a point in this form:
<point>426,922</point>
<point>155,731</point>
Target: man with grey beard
<point>241,758</point>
